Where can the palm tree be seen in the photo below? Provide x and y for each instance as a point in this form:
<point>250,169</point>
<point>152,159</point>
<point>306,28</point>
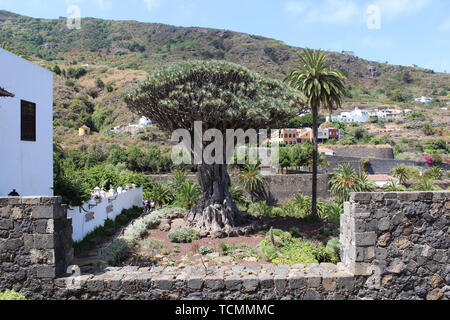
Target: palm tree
<point>251,179</point>
<point>401,172</point>
<point>343,182</point>
<point>363,184</point>
<point>188,194</point>
<point>322,87</point>
<point>161,194</point>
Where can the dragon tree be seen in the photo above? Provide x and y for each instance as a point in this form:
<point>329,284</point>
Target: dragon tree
<point>222,96</point>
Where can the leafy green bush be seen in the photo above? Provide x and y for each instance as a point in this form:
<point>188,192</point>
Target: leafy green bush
<point>281,248</point>
<point>295,233</point>
<point>333,249</point>
<point>333,212</point>
<point>11,295</point>
<point>151,245</point>
<point>115,253</point>
<point>206,250</point>
<point>183,235</point>
<point>260,209</point>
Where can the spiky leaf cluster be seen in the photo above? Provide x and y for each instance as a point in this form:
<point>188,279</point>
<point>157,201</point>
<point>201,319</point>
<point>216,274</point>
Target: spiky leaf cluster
<point>220,94</point>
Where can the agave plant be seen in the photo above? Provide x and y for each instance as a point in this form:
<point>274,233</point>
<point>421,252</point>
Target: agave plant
<point>188,195</point>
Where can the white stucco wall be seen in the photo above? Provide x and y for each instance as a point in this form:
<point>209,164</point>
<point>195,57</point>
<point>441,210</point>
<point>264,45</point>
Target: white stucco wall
<point>25,166</point>
<point>102,206</point>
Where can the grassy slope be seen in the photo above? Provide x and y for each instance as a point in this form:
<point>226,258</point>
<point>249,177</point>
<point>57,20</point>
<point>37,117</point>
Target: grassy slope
<point>120,53</point>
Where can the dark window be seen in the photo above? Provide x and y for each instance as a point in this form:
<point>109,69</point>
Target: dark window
<point>28,121</point>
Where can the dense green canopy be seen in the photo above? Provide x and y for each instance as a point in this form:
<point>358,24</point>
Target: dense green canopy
<point>223,95</point>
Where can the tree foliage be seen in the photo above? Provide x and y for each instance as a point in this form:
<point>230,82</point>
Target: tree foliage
<point>221,94</point>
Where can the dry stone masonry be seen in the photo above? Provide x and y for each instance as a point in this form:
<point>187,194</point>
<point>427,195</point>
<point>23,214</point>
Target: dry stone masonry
<point>35,244</point>
<point>393,246</point>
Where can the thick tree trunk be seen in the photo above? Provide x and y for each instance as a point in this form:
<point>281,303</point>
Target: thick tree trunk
<point>315,111</point>
<point>216,212</point>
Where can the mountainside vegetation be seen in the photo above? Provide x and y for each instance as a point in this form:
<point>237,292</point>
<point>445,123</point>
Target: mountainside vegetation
<point>96,66</point>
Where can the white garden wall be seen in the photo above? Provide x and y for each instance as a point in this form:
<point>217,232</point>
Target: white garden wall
<point>102,206</point>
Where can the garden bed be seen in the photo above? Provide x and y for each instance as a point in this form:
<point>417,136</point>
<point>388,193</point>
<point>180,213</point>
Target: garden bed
<point>163,239</point>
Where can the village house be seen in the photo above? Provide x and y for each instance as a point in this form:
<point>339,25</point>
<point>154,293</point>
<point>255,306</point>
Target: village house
<point>300,136</point>
<point>26,127</point>
<point>357,115</point>
<point>84,131</point>
<point>423,100</point>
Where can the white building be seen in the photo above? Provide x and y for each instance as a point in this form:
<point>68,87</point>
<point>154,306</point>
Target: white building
<point>389,114</point>
<point>423,100</point>
<point>26,127</point>
<point>144,122</point>
<point>357,115</point>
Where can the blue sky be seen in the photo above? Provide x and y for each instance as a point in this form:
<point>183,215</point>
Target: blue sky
<point>398,31</point>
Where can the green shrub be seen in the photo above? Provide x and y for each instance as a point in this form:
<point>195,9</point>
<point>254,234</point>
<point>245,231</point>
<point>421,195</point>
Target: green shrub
<point>153,246</point>
<point>206,250</point>
<point>295,233</point>
<point>183,235</point>
<point>333,249</point>
<point>115,254</point>
<point>11,295</point>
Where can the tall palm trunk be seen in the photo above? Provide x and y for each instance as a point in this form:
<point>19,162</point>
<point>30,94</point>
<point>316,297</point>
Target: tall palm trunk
<point>315,112</point>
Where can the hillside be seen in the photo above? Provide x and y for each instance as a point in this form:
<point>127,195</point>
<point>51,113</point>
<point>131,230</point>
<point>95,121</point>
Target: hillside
<point>95,66</point>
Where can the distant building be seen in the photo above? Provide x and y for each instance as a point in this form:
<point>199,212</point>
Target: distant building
<point>357,115</point>
<point>291,136</point>
<point>26,127</point>
<point>84,131</point>
<point>144,122</point>
<point>300,136</point>
<point>389,114</point>
<point>423,100</point>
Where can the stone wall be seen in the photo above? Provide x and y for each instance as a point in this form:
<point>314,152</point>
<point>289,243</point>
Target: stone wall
<point>363,151</point>
<point>400,242</point>
<point>393,246</point>
<point>376,166</point>
<point>282,188</point>
<point>35,243</point>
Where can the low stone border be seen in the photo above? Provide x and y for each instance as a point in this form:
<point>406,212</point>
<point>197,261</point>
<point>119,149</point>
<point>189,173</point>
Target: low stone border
<point>310,282</point>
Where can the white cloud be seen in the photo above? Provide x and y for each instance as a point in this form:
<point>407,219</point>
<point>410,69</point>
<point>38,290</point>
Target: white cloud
<point>325,11</point>
<point>445,26</point>
<point>151,4</point>
<point>395,8</point>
